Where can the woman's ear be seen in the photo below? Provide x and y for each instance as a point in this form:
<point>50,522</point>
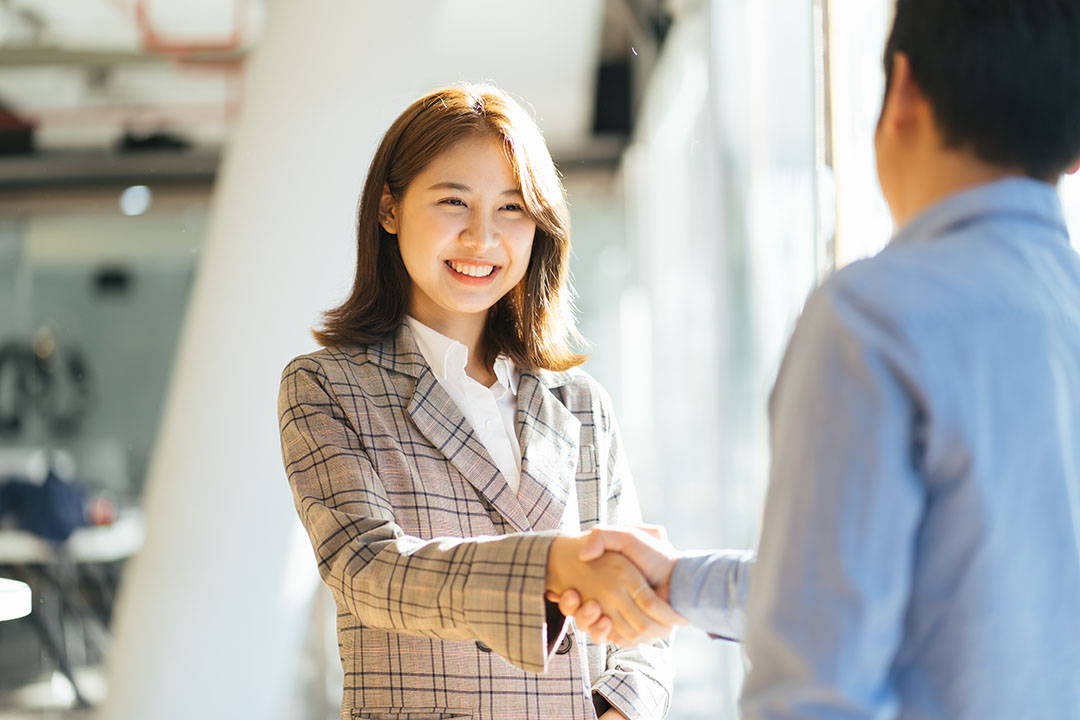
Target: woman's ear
<point>388,211</point>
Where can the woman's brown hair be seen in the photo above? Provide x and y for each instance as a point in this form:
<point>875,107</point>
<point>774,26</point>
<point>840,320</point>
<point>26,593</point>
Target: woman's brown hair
<point>533,323</point>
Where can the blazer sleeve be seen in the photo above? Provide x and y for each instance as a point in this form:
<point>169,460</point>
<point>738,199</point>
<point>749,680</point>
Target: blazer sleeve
<point>489,589</point>
<point>638,681</point>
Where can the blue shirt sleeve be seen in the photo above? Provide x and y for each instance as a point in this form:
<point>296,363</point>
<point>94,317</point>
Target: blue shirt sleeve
<point>826,605</point>
<point>709,589</point>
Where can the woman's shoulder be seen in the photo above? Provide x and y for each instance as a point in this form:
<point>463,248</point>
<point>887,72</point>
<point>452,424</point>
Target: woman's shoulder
<point>323,357</point>
<point>333,364</point>
<point>579,389</point>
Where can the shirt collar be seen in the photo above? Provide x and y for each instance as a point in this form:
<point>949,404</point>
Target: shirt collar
<point>1021,198</point>
<point>505,372</point>
<point>448,357</point>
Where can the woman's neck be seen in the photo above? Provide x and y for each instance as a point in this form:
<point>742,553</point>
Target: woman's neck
<point>467,330</point>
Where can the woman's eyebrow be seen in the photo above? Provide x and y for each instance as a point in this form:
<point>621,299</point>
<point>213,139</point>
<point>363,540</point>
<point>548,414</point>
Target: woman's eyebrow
<point>447,185</point>
<point>450,186</point>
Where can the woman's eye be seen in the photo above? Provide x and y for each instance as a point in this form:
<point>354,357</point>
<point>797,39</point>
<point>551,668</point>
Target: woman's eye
<point>457,202</point>
<point>513,206</point>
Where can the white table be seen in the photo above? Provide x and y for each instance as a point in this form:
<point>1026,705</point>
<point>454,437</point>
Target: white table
<point>15,599</point>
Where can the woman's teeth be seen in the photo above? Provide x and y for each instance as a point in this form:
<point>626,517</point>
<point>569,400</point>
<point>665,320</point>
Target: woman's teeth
<point>471,270</point>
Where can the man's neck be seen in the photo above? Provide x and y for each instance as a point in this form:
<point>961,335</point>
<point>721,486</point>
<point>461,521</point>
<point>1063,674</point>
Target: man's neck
<point>941,174</point>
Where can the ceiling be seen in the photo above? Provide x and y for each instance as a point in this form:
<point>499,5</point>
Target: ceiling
<point>85,73</point>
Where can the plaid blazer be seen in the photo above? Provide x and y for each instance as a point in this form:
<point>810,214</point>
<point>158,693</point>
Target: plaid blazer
<point>437,568</point>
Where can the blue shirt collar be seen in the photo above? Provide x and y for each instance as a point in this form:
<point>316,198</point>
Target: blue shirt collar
<point>1020,198</point>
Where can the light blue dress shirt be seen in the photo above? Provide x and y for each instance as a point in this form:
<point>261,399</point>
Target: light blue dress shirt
<point>920,550</point>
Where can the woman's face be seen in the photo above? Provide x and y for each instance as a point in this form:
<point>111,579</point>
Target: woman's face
<point>463,232</point>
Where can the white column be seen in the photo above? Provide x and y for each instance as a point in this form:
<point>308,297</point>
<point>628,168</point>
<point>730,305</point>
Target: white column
<point>212,612</point>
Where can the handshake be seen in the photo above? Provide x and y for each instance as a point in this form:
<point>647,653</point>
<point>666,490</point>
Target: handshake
<point>614,582</point>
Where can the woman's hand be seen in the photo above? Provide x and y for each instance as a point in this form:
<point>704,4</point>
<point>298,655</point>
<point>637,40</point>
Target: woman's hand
<point>613,714</point>
<point>653,556</point>
<point>636,613</point>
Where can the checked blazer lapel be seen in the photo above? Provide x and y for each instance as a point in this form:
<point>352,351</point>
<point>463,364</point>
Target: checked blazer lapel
<point>444,425</point>
<point>549,435</point>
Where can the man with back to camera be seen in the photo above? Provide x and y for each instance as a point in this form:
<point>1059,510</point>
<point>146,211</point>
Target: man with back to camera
<point>920,550</point>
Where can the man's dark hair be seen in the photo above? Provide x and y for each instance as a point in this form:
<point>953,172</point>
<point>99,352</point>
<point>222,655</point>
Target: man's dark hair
<point>1003,76</point>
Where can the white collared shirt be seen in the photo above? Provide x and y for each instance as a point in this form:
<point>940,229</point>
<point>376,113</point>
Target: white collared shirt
<point>491,410</point>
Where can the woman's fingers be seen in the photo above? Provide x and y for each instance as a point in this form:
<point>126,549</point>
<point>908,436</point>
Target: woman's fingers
<point>588,615</point>
<point>569,603</point>
<point>602,630</point>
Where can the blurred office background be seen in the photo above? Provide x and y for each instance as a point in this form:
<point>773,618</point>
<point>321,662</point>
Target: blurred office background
<point>178,181</point>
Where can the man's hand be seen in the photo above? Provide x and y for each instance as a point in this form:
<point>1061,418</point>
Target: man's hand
<point>636,614</point>
<point>648,549</point>
<point>613,714</point>
<point>646,546</point>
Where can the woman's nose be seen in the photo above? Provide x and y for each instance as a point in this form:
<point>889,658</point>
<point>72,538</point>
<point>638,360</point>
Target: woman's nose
<point>480,233</point>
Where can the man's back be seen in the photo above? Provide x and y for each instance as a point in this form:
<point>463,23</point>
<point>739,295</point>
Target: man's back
<point>924,506</point>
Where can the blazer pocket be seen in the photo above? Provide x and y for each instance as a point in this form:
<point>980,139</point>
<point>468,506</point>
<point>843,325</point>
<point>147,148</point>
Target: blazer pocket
<point>587,460</point>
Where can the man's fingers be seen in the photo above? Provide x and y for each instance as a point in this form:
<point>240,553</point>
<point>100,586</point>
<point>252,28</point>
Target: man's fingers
<point>657,531</point>
<point>599,539</point>
<point>649,618</point>
<point>643,625</point>
<point>621,626</point>
<point>593,548</point>
<point>658,611</point>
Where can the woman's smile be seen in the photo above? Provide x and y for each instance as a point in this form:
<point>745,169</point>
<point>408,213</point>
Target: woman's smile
<point>472,272</point>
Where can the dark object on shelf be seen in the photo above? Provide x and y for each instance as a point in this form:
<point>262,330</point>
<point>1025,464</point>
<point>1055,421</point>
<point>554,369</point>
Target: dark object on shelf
<point>16,134</point>
<point>112,281</point>
<point>612,112</point>
<point>130,142</point>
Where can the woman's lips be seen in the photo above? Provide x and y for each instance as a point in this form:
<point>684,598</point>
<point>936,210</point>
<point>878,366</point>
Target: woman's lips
<point>471,272</point>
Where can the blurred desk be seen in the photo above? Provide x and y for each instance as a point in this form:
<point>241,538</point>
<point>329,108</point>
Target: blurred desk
<point>57,573</point>
<point>91,544</point>
<point>15,599</point>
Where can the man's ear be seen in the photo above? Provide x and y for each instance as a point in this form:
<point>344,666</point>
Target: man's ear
<point>388,211</point>
<point>1074,169</point>
<point>904,99</point>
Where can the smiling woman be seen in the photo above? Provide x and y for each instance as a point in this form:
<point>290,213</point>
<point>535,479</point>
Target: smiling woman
<point>464,235</point>
<point>531,322</point>
<point>444,443</point>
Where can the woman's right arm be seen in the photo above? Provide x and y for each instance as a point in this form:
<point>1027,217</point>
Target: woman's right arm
<point>489,589</point>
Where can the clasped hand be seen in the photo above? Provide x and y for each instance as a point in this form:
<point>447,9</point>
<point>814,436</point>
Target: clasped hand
<point>614,582</point>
